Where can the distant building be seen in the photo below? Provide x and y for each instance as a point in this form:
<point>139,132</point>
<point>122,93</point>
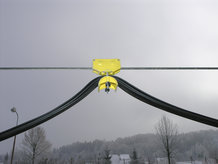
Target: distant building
<point>115,159</point>
<point>125,158</point>
<point>161,161</point>
<point>164,161</point>
<point>120,159</point>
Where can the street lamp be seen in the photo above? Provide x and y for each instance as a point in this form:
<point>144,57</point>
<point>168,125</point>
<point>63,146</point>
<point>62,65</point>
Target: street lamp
<point>12,154</point>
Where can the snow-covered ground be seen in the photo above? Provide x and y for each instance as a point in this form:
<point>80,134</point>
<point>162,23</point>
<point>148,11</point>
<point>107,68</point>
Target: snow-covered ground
<point>186,162</point>
<point>209,161</point>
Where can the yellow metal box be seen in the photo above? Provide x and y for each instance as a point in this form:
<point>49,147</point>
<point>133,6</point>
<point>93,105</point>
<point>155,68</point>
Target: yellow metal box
<point>106,66</point>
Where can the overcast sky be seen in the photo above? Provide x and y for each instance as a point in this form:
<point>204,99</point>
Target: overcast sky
<point>138,32</point>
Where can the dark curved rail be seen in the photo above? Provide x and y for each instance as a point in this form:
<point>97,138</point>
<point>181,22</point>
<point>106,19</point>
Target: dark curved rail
<point>144,97</point>
<point>124,85</point>
<point>49,115</point>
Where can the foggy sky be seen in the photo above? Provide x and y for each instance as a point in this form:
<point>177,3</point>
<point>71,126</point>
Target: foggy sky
<point>139,33</point>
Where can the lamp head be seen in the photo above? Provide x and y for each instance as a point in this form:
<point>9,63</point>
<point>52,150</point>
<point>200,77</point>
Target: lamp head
<point>13,109</point>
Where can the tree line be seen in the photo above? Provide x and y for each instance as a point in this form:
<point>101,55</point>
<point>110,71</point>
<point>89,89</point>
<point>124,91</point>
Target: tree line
<point>167,143</point>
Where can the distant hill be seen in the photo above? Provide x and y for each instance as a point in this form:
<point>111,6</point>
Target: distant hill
<point>199,145</point>
<point>195,145</point>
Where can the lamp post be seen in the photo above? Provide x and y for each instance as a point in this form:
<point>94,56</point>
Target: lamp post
<point>12,154</point>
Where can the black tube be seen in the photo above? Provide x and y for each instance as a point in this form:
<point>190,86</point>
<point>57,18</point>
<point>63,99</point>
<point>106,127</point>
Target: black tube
<point>49,115</point>
<point>144,97</point>
<point>124,85</point>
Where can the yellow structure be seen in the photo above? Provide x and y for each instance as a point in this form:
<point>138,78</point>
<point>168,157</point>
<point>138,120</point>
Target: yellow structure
<point>107,83</point>
<point>106,67</point>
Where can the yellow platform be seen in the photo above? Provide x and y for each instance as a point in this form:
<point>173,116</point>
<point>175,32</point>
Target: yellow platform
<point>106,66</point>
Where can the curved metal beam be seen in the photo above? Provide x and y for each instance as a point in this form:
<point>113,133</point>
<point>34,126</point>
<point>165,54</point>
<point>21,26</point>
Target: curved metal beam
<point>146,98</point>
<point>51,114</point>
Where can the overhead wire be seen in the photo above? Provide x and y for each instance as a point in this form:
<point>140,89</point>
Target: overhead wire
<point>45,68</point>
<point>123,68</point>
<point>169,68</point>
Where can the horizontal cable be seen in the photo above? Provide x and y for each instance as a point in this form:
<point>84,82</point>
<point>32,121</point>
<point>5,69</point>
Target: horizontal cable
<point>169,68</point>
<point>45,68</point>
<point>122,68</point>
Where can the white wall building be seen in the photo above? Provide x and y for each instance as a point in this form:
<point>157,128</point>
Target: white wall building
<point>120,159</point>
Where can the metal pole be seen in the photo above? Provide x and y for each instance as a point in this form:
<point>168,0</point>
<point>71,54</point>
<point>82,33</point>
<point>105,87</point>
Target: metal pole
<point>12,154</point>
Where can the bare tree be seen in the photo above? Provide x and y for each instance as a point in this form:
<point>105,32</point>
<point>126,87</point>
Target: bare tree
<point>134,157</point>
<point>167,133</point>
<point>199,152</point>
<point>6,158</point>
<point>107,156</point>
<point>34,143</point>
